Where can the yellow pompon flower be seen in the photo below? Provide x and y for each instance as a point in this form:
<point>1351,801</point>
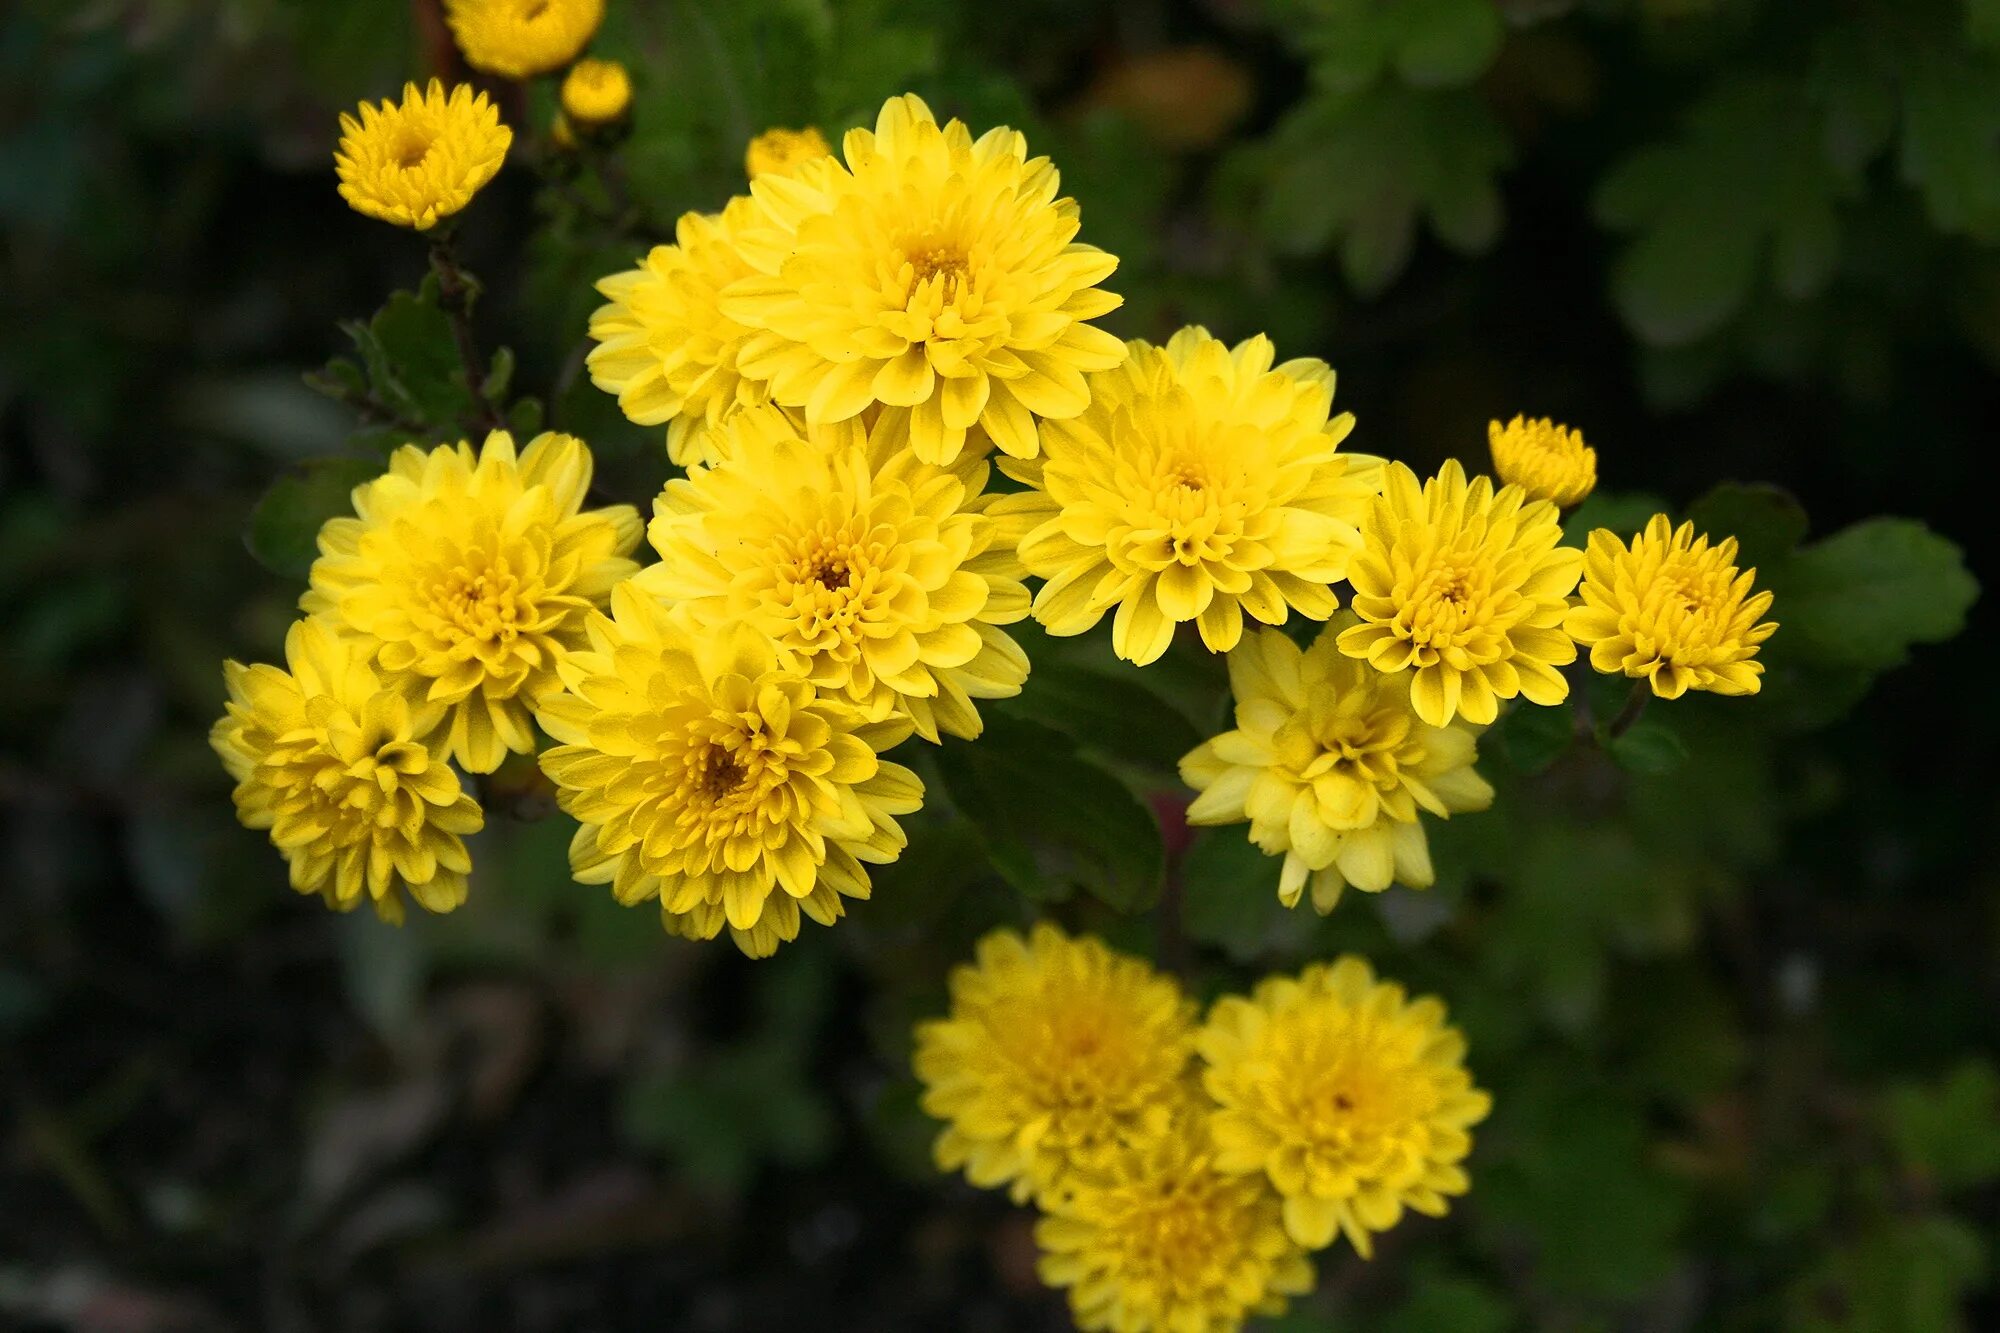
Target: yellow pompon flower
<point>1467,587</point>
<point>420,162</point>
<point>709,774</point>
<point>1202,482</point>
<point>1548,461</point>
<point>330,759</point>
<point>518,39</point>
<point>665,348</point>
<point>1056,1055</point>
<point>596,92</point>
<point>1672,610</point>
<point>1332,767</point>
<point>1160,1241</point>
<point>784,151</point>
<point>935,274</point>
<point>1352,1099</point>
<point>882,576</point>
<point>470,574</point>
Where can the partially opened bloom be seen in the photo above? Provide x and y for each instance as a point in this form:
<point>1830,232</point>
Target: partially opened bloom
<point>1332,767</point>
<point>1671,610</point>
<point>1202,482</point>
<point>784,151</point>
<point>518,39</point>
<point>1466,588</point>
<point>468,575</point>
<point>1057,1055</point>
<point>1160,1239</point>
<point>882,575</point>
<point>1351,1098</point>
<point>419,162</point>
<point>329,758</point>
<point>935,274</point>
<point>596,92</point>
<point>1548,461</point>
<point>664,346</point>
<point>710,774</point>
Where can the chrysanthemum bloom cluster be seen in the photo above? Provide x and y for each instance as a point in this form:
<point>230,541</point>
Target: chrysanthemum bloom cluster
<point>932,276</point>
<point>1466,588</point>
<point>466,576</point>
<point>708,772</point>
<point>518,39</point>
<point>331,759</point>
<point>783,152</point>
<point>881,575</point>
<point>596,92</point>
<point>1201,482</point>
<point>1352,1100</point>
<point>1186,1195</point>
<point>1332,767</point>
<point>1548,461</point>
<point>1672,610</point>
<point>419,162</point>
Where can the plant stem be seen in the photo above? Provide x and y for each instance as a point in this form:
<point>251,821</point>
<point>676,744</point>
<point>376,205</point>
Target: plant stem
<point>1635,704</point>
<point>456,289</point>
<point>1173,951</point>
<point>1585,722</point>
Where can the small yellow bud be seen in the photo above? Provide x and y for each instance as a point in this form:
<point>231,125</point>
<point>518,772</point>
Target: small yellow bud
<point>1548,461</point>
<point>596,92</point>
<point>784,151</point>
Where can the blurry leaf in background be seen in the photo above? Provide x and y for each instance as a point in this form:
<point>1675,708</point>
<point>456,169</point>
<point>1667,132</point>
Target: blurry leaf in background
<point>1863,596</point>
<point>1907,1275</point>
<point>284,527</point>
<point>1230,890</point>
<point>1425,43</point>
<point>1948,1132</point>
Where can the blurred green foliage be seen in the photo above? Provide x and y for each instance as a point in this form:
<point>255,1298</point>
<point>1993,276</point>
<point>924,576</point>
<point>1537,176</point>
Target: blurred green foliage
<point>1731,975</point>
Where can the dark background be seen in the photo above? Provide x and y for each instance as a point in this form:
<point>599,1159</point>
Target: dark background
<point>1740,1017</point>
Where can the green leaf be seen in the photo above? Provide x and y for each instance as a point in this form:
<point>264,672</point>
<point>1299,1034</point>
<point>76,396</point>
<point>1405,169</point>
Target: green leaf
<point>1446,1301</point>
<point>1230,892</point>
<point>1624,514</point>
<point>1649,746</point>
<point>1428,43</point>
<point>1907,1276</point>
<point>1863,596</point>
<point>1982,24</point>
<point>1113,714</point>
<point>284,527</point>
<point>1361,170</point>
<point>1767,521</point>
<point>1949,1132</point>
<point>1530,737</point>
<point>1951,121</point>
<point>1744,192</point>
<point>1051,819</point>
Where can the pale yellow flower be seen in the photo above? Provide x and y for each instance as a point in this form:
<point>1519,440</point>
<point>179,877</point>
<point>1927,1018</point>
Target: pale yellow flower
<point>1201,483</point>
<point>1671,610</point>
<point>1351,1098</point>
<point>933,273</point>
<point>1332,767</point>
<point>330,758</point>
<point>1466,588</point>
<point>420,162</point>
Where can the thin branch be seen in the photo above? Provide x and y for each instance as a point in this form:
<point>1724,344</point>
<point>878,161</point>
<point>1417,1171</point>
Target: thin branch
<point>455,292</point>
<point>1635,704</point>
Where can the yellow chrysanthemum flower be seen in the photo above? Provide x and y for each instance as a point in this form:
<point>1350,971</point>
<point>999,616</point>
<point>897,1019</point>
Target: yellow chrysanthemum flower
<point>664,346</point>
<point>1057,1054</point>
<point>882,576</point>
<point>1672,610</point>
<point>1332,767</point>
<point>596,92</point>
<point>712,776</point>
<point>518,39</point>
<point>1351,1098</point>
<point>784,151</point>
<point>1548,461</point>
<point>1467,587</point>
<point>471,574</point>
<point>331,761</point>
<point>935,274</point>
<point>1160,1241</point>
<point>1202,482</point>
<point>420,162</point>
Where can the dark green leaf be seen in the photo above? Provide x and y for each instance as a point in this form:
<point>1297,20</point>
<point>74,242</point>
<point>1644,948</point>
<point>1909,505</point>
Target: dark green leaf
<point>1949,1132</point>
<point>1767,521</point>
<point>1649,746</point>
<point>1113,714</point>
<point>284,527</point>
<point>1866,594</point>
<point>1529,737</point>
<point>1230,891</point>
